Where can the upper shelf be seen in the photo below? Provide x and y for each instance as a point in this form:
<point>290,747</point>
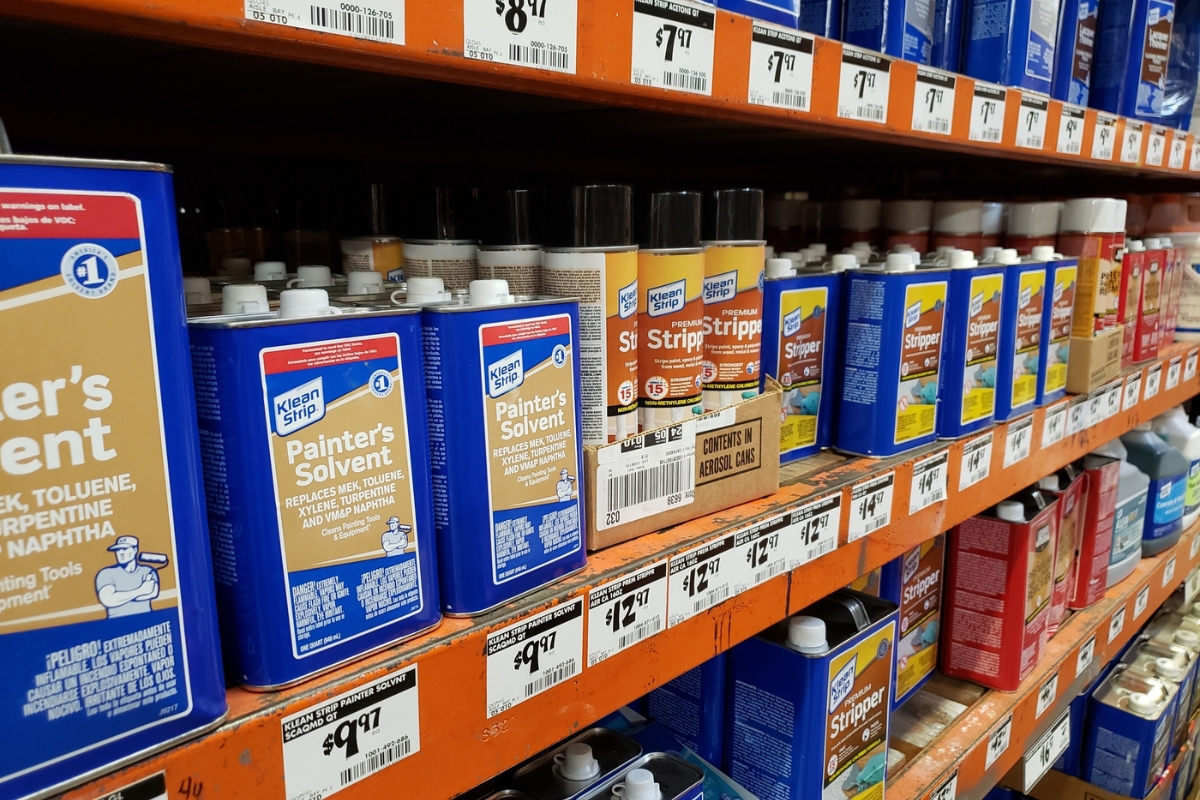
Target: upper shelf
<point>723,66</point>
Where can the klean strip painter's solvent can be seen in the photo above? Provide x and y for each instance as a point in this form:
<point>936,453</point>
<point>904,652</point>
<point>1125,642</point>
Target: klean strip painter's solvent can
<point>312,428</point>
<point>893,350</point>
<point>98,427</point>
<point>670,310</point>
<point>1017,367</point>
<point>591,256</point>
<point>503,386</point>
<point>1058,314</point>
<point>510,246</point>
<point>967,392</point>
<point>734,256</point>
<point>439,237</point>
<point>801,339</point>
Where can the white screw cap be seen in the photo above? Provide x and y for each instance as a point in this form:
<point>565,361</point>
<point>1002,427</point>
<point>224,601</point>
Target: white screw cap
<point>807,635</point>
<point>795,256</point>
<point>197,291</point>
<point>311,276</point>
<point>577,763</point>
<point>1165,241</point>
<point>1007,255</point>
<point>818,248</point>
<point>247,298</point>
<point>490,292</point>
<point>963,259</point>
<point>427,290</point>
<point>270,271</point>
<point>304,303</point>
<point>1011,510</point>
<point>1166,668</point>
<point>1186,638</point>
<point>899,262</point>
<point>640,785</point>
<point>1142,704</point>
<point>860,248</point>
<point>1042,252</point>
<point>844,261</point>
<point>1049,483</point>
<point>903,247</point>
<point>1135,246</point>
<point>780,268</point>
<point>363,282</point>
<point>235,265</point>
<point>989,254</point>
<point>1153,243</point>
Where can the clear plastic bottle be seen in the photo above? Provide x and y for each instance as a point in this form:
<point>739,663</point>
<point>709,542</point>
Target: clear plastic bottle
<point>1129,519</point>
<point>1167,469</point>
<point>1175,430</point>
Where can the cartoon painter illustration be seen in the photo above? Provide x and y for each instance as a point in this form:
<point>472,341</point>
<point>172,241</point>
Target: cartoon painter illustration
<point>127,587</point>
<point>565,485</point>
<point>395,538</point>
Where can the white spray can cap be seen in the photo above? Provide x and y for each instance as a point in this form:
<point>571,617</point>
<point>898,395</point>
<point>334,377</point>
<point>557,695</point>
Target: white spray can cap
<point>490,292</point>
<point>1187,638</point>
<point>197,291</point>
<point>247,298</point>
<point>639,785</point>
<point>807,635</point>
<point>270,271</point>
<point>304,303</point>
<point>780,268</point>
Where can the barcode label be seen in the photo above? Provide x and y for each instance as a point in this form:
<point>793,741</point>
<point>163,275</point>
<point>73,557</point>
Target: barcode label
<point>380,21</point>
<point>648,484</point>
<point>1153,378</point>
<point>646,629</point>
<point>699,578</point>
<point>681,79</point>
<point>871,505</point>
<point>528,657</point>
<point>550,678</point>
<point>1055,425</point>
<point>538,57</point>
<point>780,67</point>
<point>377,760</point>
<point>864,85</point>
<point>789,99</point>
<point>645,475</point>
<point>525,34</point>
<point>625,611</point>
<point>987,113</point>
<point>673,45</point>
<point>352,23</point>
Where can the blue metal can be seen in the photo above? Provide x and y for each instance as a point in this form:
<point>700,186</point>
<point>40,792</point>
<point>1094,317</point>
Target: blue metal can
<point>503,388</point>
<point>1129,728</point>
<point>109,634</point>
<point>692,708</point>
<point>967,392</point>
<point>1058,311</point>
<point>914,583</point>
<point>578,765</point>
<point>1018,365</point>
<point>313,433</point>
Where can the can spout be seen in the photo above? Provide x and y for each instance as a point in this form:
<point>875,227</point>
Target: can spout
<point>639,785</point>
<point>490,292</point>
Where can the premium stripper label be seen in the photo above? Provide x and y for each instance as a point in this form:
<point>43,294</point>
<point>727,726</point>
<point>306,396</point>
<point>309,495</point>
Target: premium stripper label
<point>983,344</point>
<point>533,472</point>
<point>1062,311</point>
<point>733,278</point>
<point>90,620</point>
<point>859,698</point>
<point>920,613</point>
<point>671,330</point>
<point>1031,295</point>
<point>920,358</point>
<point>802,317</point>
<point>338,435</point>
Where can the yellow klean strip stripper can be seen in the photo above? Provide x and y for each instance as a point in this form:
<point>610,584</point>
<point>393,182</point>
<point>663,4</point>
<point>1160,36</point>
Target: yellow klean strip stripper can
<point>734,255</point>
<point>671,312</point>
<point>592,257</point>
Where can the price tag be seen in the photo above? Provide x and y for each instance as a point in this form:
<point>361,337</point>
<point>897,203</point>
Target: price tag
<point>1070,130</point>
<point>525,33</point>
<point>1133,391</point>
<point>1104,138</point>
<point>1046,696</point>
<point>1112,399</point>
<point>1140,602</point>
<point>817,525</point>
<point>781,65</point>
<point>1194,164</point>
<point>1189,366</point>
<point>933,102</point>
<point>1041,757</point>
<point>1178,150</point>
<point>1173,370</point>
<point>1156,147</point>
<point>863,88</point>
<point>987,113</point>
<point>1083,659</point>
<point>998,742</point>
<point>1077,417</point>
<point>1116,624</point>
<point>699,578</point>
<point>379,21</point>
<point>948,790</point>
<point>1195,547</point>
<point>346,738</point>
<point>779,544</point>
<point>623,612</point>
<point>1054,424</point>
<point>1169,572</point>
<point>673,46</point>
<point>1018,441</point>
<point>1096,406</point>
<point>976,461</point>
<point>871,505</point>
<point>528,657</point>
<point>1131,143</point>
<point>1031,122</point>
<point>1192,586</point>
<point>928,482</point>
<point>1153,376</point>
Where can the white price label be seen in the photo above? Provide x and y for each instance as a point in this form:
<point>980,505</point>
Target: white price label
<point>1141,602</point>
<point>528,657</point>
<point>976,462</point>
<point>645,475</point>
<point>1112,399</point>
<point>623,612</point>
<point>1191,587</point>
<point>1041,757</point>
<point>346,738</point>
<point>817,525</point>
<point>998,742</point>
<point>1153,378</point>
<point>781,65</point>
<point>1046,696</point>
<point>871,505</point>
<point>1178,150</point>
<point>673,45</point>
<point>1018,441</point>
<point>524,33</point>
<point>1031,122</point>
<point>1173,369</point>
<point>1131,142</point>
<point>1070,130</point>
<point>1096,405</point>
<point>1194,164</point>
<point>933,102</point>
<point>1077,417</point>
<point>948,790</point>
<point>987,113</point>
<point>379,21</point>
<point>1054,426</point>
<point>1195,547</point>
<point>1116,624</point>
<point>928,482</point>
<point>1104,138</point>
<point>864,85</point>
<point>1169,572</point>
<point>699,579</point>
<point>1189,366</point>
<point>1156,147</point>
<point>1083,659</point>
<point>779,544</point>
<point>1133,391</point>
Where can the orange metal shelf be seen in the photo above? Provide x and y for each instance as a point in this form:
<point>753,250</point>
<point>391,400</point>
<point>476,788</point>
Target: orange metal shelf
<point>434,49</point>
<point>460,747</point>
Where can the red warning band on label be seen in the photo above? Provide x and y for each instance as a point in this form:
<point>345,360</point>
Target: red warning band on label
<point>65,215</point>
<point>525,330</point>
<point>328,354</point>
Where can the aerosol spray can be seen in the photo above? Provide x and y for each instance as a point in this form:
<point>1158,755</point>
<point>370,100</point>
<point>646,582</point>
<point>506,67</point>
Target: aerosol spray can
<point>439,241</point>
<point>510,246</point>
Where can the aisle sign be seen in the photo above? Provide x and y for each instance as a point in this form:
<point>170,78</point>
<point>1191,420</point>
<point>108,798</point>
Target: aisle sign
<point>524,33</point>
<point>375,20</point>
<point>528,657</point>
<point>864,85</point>
<point>781,65</point>
<point>1031,122</point>
<point>1070,130</point>
<point>933,101</point>
<point>673,46</point>
<point>987,113</point>
<point>1104,138</point>
<point>625,611</point>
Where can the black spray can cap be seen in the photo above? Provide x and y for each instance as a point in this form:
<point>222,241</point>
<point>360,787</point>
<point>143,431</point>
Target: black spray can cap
<point>511,217</point>
<point>596,215</point>
<point>734,215</point>
<point>672,221</point>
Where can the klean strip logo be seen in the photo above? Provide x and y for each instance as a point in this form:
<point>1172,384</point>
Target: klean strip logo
<point>300,407</point>
<point>627,300</point>
<point>912,314</point>
<point>791,323</point>
<point>506,374</point>
<point>666,299</point>
<point>1042,539</point>
<point>976,305</point>
<point>1058,290</point>
<point>1026,296</point>
<point>912,562</point>
<point>719,288</point>
<point>842,683</point>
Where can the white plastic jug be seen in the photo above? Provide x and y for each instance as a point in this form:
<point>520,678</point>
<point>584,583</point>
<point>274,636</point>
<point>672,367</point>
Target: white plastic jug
<point>1167,470</point>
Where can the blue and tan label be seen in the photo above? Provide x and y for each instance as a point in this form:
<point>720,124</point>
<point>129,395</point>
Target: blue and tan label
<point>983,345</point>
<point>1062,310</point>
<point>920,359</point>
<point>858,707</point>
<point>1031,295</point>
<point>920,613</point>
<point>802,317</point>
<point>92,631</point>
<point>343,485</point>
<point>528,394</point>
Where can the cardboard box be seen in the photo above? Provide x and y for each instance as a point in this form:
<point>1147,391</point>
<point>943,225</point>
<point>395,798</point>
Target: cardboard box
<point>1094,361</point>
<point>735,458</point>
